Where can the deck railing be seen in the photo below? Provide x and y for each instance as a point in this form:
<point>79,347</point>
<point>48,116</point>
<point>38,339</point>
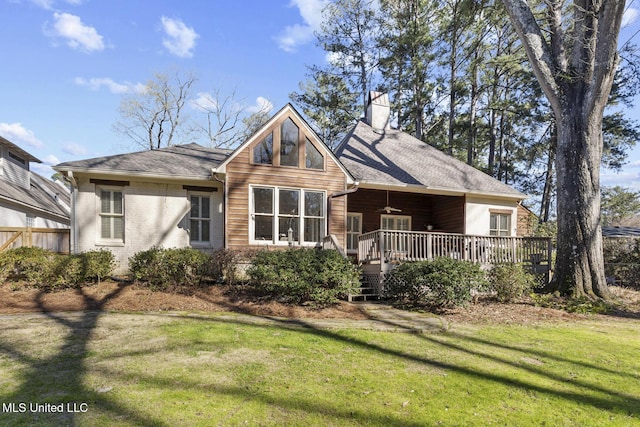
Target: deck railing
<point>387,246</point>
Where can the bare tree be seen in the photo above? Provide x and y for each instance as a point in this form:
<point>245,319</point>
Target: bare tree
<point>223,126</point>
<point>153,117</point>
<point>573,52</point>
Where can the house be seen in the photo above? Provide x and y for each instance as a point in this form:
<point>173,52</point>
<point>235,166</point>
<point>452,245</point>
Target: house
<point>30,201</point>
<point>284,186</point>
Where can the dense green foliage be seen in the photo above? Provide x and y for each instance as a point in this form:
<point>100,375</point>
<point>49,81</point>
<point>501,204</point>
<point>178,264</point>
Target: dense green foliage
<point>302,276</point>
<point>163,269</point>
<point>441,283</point>
<point>510,281</point>
<point>49,270</point>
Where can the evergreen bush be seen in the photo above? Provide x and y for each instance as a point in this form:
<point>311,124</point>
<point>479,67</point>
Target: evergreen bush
<point>441,283</point>
<point>162,269</point>
<point>510,281</point>
<point>303,276</point>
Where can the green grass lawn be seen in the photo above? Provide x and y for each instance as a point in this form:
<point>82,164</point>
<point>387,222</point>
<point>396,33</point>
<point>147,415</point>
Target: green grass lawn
<point>159,370</point>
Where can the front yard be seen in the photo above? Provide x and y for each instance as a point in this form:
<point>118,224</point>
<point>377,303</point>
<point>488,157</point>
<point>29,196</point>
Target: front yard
<point>155,369</point>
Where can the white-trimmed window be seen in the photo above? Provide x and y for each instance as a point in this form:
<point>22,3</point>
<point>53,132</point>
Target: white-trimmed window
<point>354,229</point>
<point>275,211</point>
<point>200,219</point>
<point>395,222</point>
<point>111,215</point>
<point>500,223</point>
<point>395,242</point>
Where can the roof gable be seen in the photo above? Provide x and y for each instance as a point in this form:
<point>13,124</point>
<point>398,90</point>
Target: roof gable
<point>396,159</point>
<point>287,111</point>
<point>19,151</point>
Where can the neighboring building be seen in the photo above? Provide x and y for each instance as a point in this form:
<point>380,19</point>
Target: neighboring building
<point>26,198</point>
<point>283,186</point>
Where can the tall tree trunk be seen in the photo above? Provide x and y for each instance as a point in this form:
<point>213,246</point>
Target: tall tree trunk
<point>575,62</point>
<point>579,269</point>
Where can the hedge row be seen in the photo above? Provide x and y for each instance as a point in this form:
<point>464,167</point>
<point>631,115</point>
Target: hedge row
<point>446,283</point>
<point>49,270</point>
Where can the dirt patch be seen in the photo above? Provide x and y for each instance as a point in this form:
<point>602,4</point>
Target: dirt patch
<point>123,296</point>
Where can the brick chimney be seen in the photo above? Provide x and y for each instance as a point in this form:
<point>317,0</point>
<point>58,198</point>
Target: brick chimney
<point>378,111</point>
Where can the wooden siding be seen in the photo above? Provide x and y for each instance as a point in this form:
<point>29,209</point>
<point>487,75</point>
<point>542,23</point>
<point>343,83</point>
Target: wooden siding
<point>526,221</point>
<point>448,214</point>
<point>443,213</point>
<point>241,173</point>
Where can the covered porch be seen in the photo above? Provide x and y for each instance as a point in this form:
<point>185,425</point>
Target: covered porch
<point>381,250</point>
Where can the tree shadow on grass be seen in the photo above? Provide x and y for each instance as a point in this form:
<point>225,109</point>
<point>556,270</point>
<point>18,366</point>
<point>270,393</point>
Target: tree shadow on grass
<point>56,382</point>
<point>59,378</point>
<point>580,393</point>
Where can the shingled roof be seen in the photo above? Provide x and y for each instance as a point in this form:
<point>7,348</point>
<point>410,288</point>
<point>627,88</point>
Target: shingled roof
<point>178,161</point>
<point>397,159</point>
<point>43,195</point>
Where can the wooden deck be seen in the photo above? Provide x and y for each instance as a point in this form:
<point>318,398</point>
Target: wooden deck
<point>380,251</point>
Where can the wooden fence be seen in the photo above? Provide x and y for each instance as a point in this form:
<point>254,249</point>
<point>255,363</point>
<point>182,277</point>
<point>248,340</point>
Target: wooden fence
<point>52,239</point>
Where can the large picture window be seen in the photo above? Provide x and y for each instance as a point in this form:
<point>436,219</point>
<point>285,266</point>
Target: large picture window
<point>200,219</point>
<point>275,211</point>
<point>111,215</point>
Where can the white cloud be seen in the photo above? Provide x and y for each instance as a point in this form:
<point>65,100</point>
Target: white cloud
<point>96,83</point>
<point>296,35</point>
<point>18,134</point>
<point>51,160</point>
<point>630,16</point>
<point>262,105</point>
<point>180,40</point>
<point>74,149</point>
<point>78,36</point>
<point>204,102</point>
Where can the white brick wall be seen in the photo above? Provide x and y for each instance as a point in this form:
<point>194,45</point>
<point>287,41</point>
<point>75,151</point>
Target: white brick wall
<point>156,214</point>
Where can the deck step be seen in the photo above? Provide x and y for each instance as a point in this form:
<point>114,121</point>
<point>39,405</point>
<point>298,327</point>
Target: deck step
<point>363,293</point>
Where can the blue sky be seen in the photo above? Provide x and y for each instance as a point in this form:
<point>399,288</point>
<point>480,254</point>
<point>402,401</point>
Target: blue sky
<point>67,63</point>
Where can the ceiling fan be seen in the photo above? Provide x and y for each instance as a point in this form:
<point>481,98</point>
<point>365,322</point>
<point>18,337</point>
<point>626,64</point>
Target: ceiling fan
<point>388,209</point>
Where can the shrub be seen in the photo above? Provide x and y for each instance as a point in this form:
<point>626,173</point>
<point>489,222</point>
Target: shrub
<point>510,281</point>
<point>74,270</point>
<point>48,270</point>
<point>223,265</point>
<point>33,265</point>
<point>162,268</point>
<point>300,276</point>
<point>441,283</point>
